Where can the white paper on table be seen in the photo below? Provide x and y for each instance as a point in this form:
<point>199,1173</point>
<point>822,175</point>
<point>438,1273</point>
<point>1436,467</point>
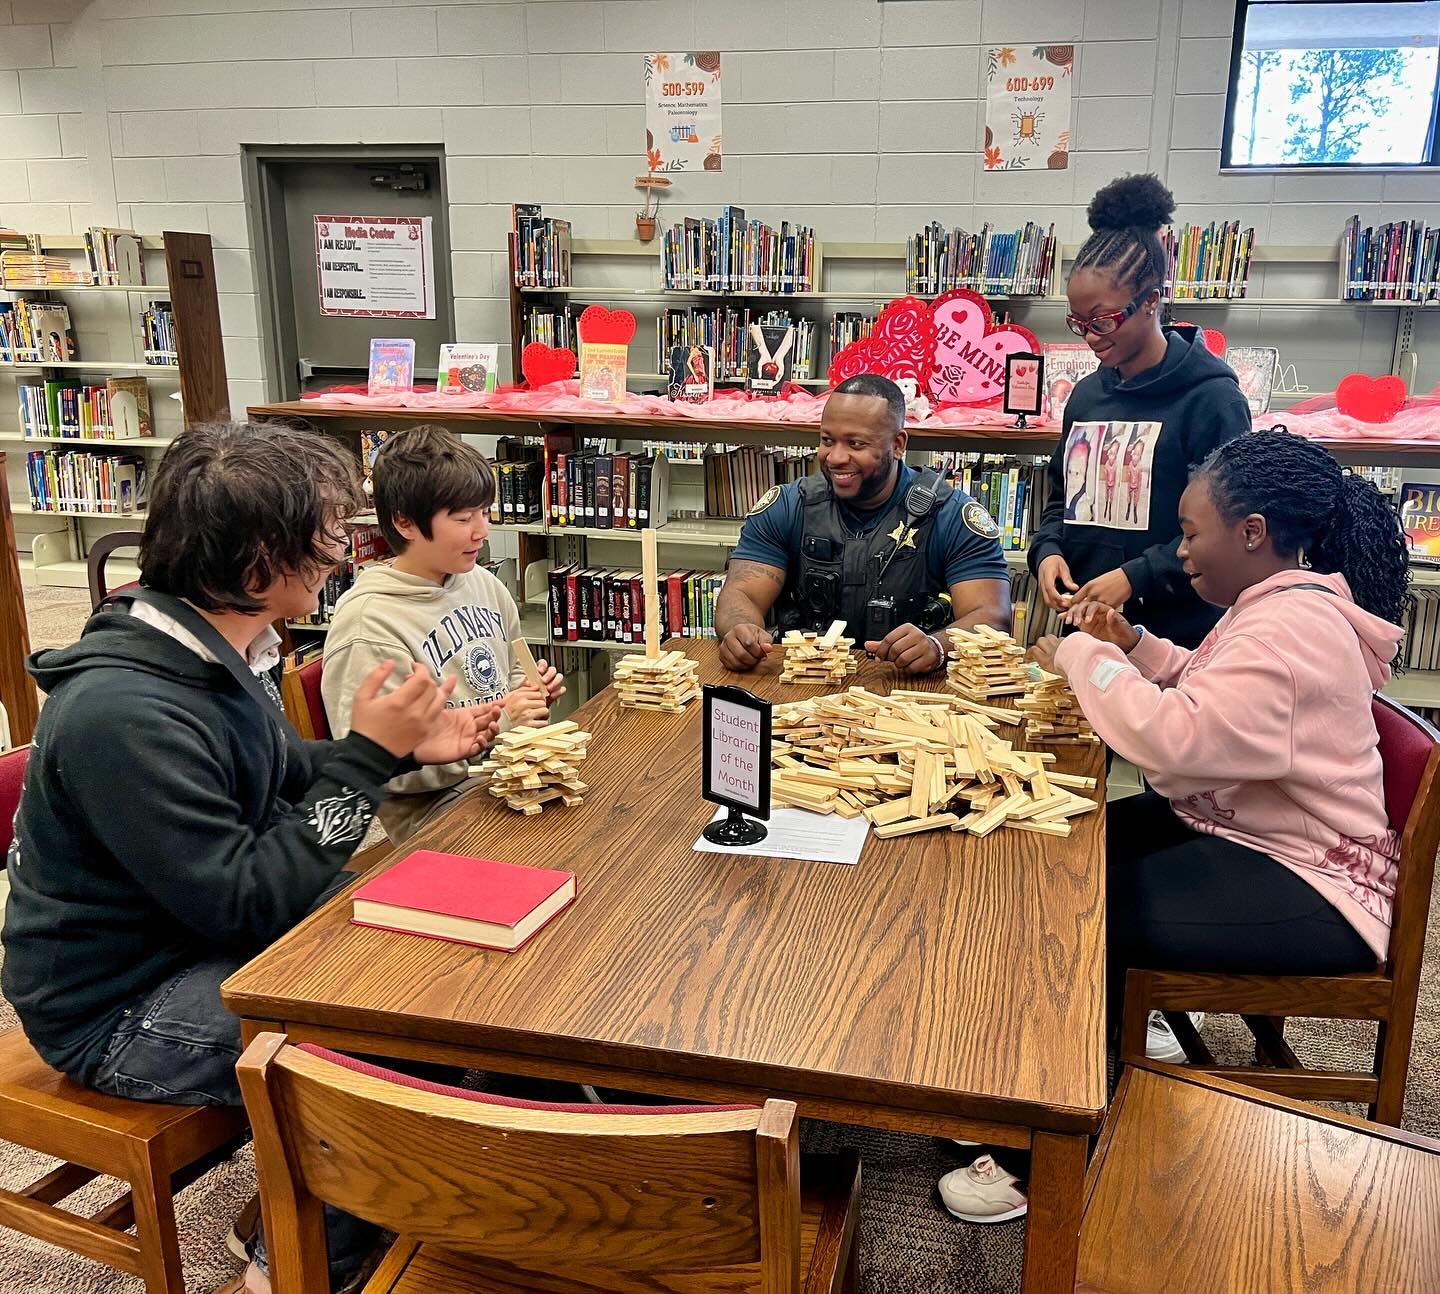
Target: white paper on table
<point>798,833</point>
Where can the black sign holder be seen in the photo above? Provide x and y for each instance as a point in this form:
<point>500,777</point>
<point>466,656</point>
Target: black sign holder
<point>1031,409</point>
<point>737,829</point>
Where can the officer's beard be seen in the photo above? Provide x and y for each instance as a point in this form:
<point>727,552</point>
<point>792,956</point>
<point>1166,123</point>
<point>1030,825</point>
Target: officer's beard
<point>874,486</point>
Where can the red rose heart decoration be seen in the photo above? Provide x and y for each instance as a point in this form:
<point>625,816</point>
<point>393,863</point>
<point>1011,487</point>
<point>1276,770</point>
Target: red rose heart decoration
<point>1370,399</point>
<point>601,324</point>
<point>901,345</point>
<point>543,364</point>
<point>970,350</point>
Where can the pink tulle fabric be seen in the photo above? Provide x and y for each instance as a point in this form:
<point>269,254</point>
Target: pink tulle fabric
<point>1317,418</point>
<point>795,404</point>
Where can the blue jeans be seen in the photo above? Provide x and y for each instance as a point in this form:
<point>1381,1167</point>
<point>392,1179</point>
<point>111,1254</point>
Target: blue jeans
<point>179,1044</point>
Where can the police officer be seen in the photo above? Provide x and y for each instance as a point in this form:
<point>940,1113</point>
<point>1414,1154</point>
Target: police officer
<point>869,541</point>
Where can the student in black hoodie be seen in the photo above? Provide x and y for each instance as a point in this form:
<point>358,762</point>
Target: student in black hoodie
<point>172,822</point>
<point>1158,404</point>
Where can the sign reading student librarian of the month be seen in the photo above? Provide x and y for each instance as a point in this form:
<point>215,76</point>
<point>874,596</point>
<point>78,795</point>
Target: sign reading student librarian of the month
<point>682,111</point>
<point>1027,107</point>
<point>736,762</point>
<point>375,267</point>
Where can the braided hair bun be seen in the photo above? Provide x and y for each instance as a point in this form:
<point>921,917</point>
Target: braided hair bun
<point>1131,202</point>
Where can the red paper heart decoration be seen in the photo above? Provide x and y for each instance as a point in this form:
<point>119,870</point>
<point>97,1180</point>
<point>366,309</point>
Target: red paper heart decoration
<point>900,345</point>
<point>970,350</point>
<point>1370,399</point>
<point>1213,338</point>
<point>601,324</point>
<point>543,364</point>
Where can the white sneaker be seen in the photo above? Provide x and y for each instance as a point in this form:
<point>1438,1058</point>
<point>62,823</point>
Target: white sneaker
<point>1160,1040</point>
<point>983,1192</point>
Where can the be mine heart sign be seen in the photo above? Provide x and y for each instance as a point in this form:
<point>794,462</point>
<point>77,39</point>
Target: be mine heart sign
<point>952,347</point>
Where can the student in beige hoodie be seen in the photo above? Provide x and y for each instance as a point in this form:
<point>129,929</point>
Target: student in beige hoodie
<point>431,608</point>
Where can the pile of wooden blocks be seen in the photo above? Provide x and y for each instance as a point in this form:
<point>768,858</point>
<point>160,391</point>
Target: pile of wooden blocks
<point>1052,714</point>
<point>529,767</point>
<point>669,681</point>
<point>917,761</point>
<point>985,663</point>
<point>824,659</point>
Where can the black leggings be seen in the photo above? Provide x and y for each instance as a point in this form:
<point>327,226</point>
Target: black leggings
<point>1182,900</point>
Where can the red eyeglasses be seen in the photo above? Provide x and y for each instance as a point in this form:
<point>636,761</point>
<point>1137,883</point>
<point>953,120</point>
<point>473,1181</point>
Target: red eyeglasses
<point>1102,324</point>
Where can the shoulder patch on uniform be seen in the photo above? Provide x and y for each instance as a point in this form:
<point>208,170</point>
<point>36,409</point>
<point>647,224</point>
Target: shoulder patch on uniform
<point>765,500</point>
<point>981,522</point>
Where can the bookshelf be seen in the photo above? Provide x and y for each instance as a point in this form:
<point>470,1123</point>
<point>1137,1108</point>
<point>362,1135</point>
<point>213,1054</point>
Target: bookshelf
<point>179,267</point>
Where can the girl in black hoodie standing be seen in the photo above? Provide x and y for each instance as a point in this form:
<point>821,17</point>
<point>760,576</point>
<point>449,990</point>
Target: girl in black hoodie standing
<point>1158,404</point>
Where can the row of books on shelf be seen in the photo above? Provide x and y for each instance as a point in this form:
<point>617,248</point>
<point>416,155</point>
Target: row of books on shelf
<point>608,491</point>
<point>540,246</point>
<point>731,334</point>
<point>1398,261</point>
<point>42,332</point>
<point>1012,490</point>
<point>118,409</point>
<point>1208,262</point>
<point>157,329</point>
<point>1422,631</point>
<point>732,254</point>
<point>737,478</point>
<point>599,604</point>
<point>1012,264</point>
<point>112,258</point>
<point>85,481</point>
<point>367,544</point>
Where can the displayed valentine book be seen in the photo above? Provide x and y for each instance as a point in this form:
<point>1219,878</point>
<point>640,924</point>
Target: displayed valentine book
<point>603,370</point>
<point>392,365</point>
<point>1065,364</point>
<point>692,373</point>
<point>771,358</point>
<point>463,368</point>
<point>465,900</point>
<point>1255,368</point>
<point>1420,515</point>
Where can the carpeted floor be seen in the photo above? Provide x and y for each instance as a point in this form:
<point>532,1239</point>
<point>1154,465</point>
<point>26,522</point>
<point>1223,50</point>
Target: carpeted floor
<point>909,1244</point>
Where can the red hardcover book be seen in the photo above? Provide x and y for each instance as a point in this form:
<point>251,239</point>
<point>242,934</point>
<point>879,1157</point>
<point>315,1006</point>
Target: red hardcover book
<point>572,604</point>
<point>466,900</point>
<point>674,603</point>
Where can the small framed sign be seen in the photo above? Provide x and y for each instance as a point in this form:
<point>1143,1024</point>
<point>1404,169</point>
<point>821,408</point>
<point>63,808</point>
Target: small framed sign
<point>735,746</point>
<point>1024,385</point>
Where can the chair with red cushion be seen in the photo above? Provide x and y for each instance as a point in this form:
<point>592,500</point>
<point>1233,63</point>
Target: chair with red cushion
<point>492,1194</point>
<point>1410,753</point>
<point>12,779</point>
<point>300,694</point>
<point>99,555</point>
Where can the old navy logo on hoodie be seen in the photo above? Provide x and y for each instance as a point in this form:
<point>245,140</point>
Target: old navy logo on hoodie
<point>454,632</point>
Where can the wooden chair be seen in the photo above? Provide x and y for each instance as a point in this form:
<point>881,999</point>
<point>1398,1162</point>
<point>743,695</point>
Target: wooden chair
<point>496,1195</point>
<point>300,694</point>
<point>1410,752</point>
<point>99,554</point>
<point>1202,1186</point>
<point>156,1149</point>
<point>12,782</point>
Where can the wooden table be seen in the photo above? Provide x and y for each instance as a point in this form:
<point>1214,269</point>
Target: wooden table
<point>944,985</point>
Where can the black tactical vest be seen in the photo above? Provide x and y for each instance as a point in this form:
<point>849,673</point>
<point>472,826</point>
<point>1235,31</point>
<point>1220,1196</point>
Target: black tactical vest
<point>838,572</point>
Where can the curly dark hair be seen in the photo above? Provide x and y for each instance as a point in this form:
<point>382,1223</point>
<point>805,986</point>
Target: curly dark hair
<point>237,506</point>
<point>1344,524</point>
<point>1126,216</point>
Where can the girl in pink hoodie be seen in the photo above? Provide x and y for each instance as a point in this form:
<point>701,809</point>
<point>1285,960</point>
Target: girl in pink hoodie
<point>1264,845</point>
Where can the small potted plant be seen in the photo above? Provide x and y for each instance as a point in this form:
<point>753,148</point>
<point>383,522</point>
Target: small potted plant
<point>647,218</point>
